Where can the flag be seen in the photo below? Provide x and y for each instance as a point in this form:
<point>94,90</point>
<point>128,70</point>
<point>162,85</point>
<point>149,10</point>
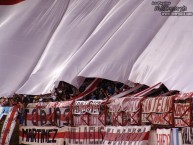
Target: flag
<point>9,126</point>
<point>92,87</point>
<point>175,138</point>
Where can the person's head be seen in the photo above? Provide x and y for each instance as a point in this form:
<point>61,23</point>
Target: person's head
<point>19,103</point>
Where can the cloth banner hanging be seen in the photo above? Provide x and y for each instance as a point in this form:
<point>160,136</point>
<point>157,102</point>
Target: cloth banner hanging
<point>182,114</point>
<point>91,107</point>
<point>58,104</point>
<point>131,108</point>
<point>46,116</point>
<point>183,110</point>
<point>158,110</point>
<point>120,135</point>
<point>88,135</point>
<point>9,126</point>
<point>92,120</point>
<point>34,135</point>
<point>163,136</point>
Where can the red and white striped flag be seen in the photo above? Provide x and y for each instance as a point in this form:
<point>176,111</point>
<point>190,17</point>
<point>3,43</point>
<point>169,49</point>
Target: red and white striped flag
<point>9,126</point>
<point>92,87</point>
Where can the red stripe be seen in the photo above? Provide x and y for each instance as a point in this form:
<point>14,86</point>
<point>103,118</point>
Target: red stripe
<point>74,135</point>
<point>89,90</point>
<point>10,2</point>
<point>128,136</point>
<point>146,90</point>
<point>10,120</point>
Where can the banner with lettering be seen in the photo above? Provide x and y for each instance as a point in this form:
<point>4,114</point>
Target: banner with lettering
<point>182,114</point>
<point>122,135</point>
<point>46,116</point>
<point>158,110</point>
<point>84,135</point>
<point>128,104</point>
<point>126,110</point>
<point>91,120</point>
<point>163,136</point>
<point>187,136</point>
<point>35,135</point>
<point>50,104</point>
<point>58,113</point>
<point>58,104</point>
<point>183,110</point>
<point>91,107</point>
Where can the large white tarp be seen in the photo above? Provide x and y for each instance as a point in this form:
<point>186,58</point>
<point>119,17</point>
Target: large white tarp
<point>101,40</point>
<point>80,20</point>
<point>25,30</point>
<point>46,41</point>
<point>115,59</point>
<point>168,58</point>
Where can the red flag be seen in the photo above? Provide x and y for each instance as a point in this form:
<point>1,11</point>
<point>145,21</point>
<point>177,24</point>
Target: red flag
<point>9,2</point>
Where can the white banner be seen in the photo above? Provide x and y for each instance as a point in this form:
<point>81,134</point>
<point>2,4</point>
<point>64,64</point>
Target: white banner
<point>46,116</point>
<point>34,135</point>
<point>58,104</point>
<point>87,135</point>
<point>131,108</point>
<point>122,135</point>
<point>128,104</point>
<point>82,107</point>
<point>131,104</point>
<point>163,136</point>
<point>91,120</point>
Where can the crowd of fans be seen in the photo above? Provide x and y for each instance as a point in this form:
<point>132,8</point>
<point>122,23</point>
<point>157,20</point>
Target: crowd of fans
<point>65,92</point>
<point>106,89</point>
